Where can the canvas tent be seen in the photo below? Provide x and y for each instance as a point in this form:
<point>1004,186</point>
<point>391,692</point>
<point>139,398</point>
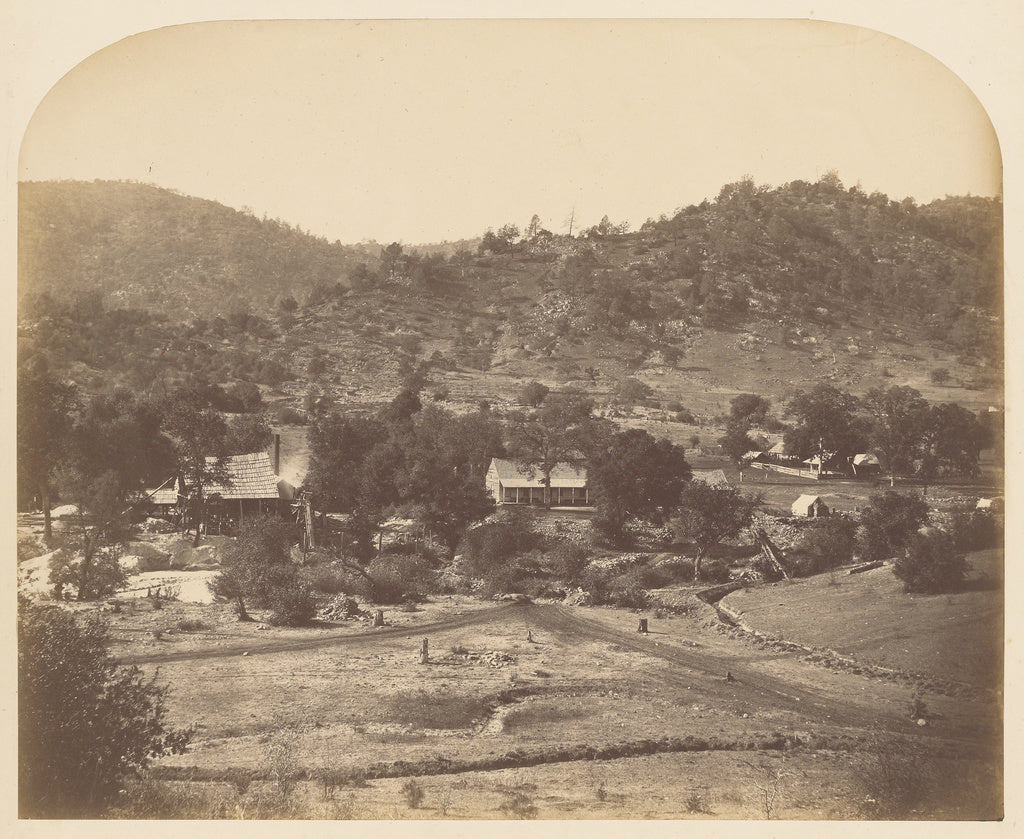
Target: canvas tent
<point>809,506</point>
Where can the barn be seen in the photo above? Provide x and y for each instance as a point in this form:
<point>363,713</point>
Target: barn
<point>510,482</point>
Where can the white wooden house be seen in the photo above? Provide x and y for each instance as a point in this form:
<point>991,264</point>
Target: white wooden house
<point>509,482</point>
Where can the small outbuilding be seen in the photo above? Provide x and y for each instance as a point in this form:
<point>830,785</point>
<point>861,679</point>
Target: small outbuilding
<point>810,506</point>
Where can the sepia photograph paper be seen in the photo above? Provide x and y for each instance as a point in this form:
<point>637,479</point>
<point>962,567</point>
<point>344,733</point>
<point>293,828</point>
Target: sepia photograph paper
<point>533,417</point>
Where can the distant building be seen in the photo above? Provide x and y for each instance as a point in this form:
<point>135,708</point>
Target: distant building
<point>865,464</point>
<point>510,482</point>
<point>810,506</point>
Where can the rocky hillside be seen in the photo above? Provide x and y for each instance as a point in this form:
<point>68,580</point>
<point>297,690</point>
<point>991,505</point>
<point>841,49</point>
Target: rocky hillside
<point>763,289</point>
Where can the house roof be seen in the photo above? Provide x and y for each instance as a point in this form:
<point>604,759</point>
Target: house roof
<point>711,477</point>
<point>778,448</point>
<point>514,474</point>
<point>251,476</point>
<point>865,460</point>
<point>805,501</point>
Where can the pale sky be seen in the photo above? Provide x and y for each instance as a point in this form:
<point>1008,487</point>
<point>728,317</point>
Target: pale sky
<point>420,131</point>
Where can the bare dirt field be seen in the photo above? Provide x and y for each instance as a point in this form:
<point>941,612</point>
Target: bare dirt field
<point>954,637</point>
<point>542,710</point>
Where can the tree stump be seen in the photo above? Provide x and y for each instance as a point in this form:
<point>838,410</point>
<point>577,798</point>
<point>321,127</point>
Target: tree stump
<point>642,628</point>
<point>425,652</point>
<point>378,618</point>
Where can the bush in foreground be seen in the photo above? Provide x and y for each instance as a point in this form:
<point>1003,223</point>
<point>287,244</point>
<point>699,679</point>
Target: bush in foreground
<point>84,723</point>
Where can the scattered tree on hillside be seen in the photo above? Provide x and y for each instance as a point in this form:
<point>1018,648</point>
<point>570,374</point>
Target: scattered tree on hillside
<point>509,234</point>
<point>84,724</point>
<point>888,523</point>
<point>707,515</point>
<point>533,393</point>
<point>749,409</point>
<point>635,476</point>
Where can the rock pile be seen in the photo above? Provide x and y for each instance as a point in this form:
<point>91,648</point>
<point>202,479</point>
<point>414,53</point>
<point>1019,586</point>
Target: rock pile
<point>341,609</point>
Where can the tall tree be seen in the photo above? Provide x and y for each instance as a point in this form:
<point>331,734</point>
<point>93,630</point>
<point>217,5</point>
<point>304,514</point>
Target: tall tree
<point>199,436</point>
<point>440,479</point>
<point>339,445</point>
<point>826,421</point>
<point>45,409</point>
<point>554,433</point>
<point>707,515</point>
<point>900,419</point>
<point>635,476</point>
<point>954,438</point>
<point>89,559</point>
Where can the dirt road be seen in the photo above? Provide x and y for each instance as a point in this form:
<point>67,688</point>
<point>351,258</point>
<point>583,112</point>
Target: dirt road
<point>691,670</point>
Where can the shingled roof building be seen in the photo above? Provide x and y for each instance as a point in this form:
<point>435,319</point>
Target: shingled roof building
<point>509,482</point>
<point>251,488</point>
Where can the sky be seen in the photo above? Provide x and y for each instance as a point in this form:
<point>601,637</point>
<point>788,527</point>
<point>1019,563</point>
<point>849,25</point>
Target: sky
<point>422,131</point>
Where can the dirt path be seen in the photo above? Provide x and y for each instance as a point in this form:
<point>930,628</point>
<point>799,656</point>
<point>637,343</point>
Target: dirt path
<point>505,611</point>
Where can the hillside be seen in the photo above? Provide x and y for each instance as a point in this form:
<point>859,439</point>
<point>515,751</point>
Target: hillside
<point>763,289</point>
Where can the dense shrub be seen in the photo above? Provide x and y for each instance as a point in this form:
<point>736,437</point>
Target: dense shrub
<point>975,530</point>
<point>686,417</point>
<point>715,571</point>
<point>84,724</point>
<point>291,605</point>
<point>826,544</point>
<point>651,576</point>
<point>626,591</point>
<point>496,542</point>
<point>931,564</point>
<point>291,416</point>
<point>523,574</point>
<point>397,579</point>
<point>567,561</point>
<point>327,579</point>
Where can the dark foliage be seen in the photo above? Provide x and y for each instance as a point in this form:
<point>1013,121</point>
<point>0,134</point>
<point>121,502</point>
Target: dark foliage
<point>888,524</point>
<point>931,564</point>
<point>826,544</point>
<point>84,723</point>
